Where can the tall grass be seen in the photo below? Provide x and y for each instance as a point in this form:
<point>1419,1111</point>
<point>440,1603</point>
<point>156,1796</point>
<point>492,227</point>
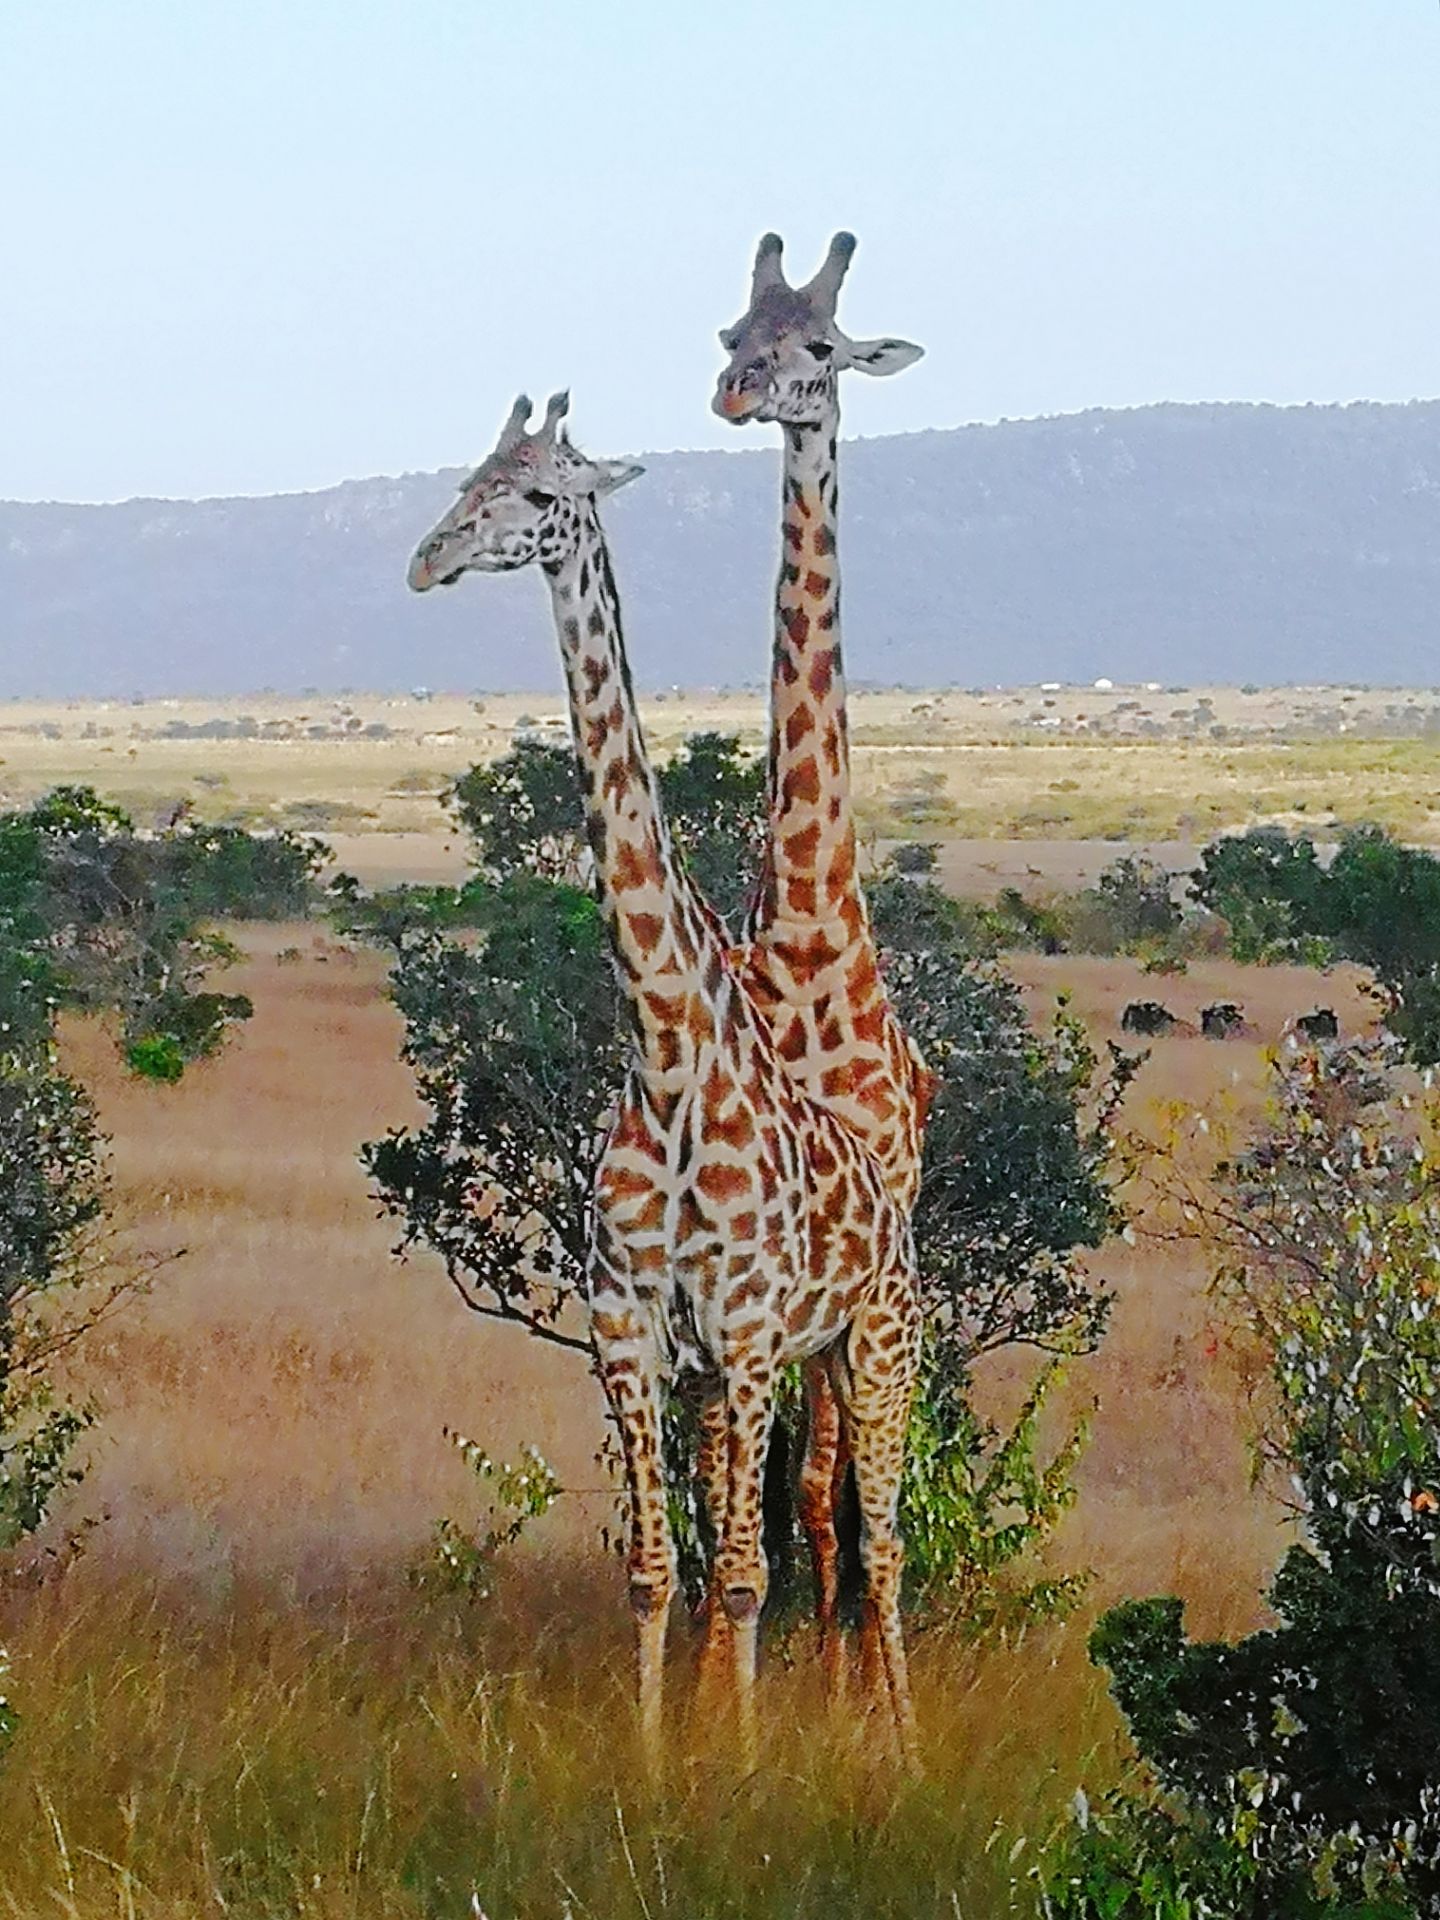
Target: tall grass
<point>363,1755</point>
<point>233,1703</point>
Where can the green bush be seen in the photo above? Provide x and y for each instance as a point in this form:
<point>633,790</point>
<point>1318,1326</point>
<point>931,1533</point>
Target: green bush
<point>1378,904</point>
<point>1311,1751</point>
<point>1266,885</point>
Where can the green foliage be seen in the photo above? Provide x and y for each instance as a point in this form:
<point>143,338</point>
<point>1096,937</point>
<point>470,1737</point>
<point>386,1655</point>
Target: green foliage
<point>714,800</point>
<point>1136,894</point>
<point>462,1558</point>
<point>37,1440</point>
<point>524,812</point>
<point>156,1056</point>
<point>975,1506</point>
<point>515,1044</point>
<point>1381,907</point>
<point>1143,1857</point>
<point>52,1178</point>
<point>1378,903</point>
<point>1312,1749</point>
<point>1026,923</point>
<point>92,916</point>
<point>52,1195</point>
<point>228,873</point>
<point>915,856</point>
<point>1266,885</point>
<point>1015,1166</point>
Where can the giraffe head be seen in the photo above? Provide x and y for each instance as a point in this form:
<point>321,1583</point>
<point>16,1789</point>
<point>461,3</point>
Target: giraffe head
<point>524,504</point>
<point>786,351</point>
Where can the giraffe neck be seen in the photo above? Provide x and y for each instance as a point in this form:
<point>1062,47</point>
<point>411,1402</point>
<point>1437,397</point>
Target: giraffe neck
<point>810,864</point>
<point>667,948</point>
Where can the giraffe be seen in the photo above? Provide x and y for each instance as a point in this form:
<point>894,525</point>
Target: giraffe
<point>811,963</point>
<point>737,1225</point>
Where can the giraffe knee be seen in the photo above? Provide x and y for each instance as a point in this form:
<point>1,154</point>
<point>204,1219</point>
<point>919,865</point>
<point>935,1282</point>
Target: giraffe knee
<point>742,1604</point>
<point>649,1598</point>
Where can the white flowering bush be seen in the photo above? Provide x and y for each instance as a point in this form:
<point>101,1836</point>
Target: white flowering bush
<point>462,1557</point>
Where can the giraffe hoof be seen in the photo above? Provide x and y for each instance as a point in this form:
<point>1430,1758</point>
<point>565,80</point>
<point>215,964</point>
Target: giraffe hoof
<point>741,1604</point>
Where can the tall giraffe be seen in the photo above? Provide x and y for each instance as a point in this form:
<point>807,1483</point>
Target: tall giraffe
<point>811,965</point>
<point>737,1226</point>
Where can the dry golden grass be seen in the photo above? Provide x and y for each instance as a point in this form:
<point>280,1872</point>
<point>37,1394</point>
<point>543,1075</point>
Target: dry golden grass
<point>1130,763</point>
<point>233,1704</point>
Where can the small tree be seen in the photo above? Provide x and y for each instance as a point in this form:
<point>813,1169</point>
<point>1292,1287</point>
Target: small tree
<point>1266,885</point>
<point>1136,895</point>
<point>1381,906</point>
<point>523,812</point>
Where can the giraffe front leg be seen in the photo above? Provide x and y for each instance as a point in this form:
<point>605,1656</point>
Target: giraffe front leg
<point>741,1575</point>
<point>883,1360</point>
<point>821,1478</point>
<point>717,1656</point>
<point>626,1355</point>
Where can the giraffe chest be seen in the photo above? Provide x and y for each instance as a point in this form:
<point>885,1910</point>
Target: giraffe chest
<point>736,1215</point>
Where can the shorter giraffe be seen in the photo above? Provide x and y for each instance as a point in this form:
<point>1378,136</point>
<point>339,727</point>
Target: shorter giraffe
<point>737,1226</point>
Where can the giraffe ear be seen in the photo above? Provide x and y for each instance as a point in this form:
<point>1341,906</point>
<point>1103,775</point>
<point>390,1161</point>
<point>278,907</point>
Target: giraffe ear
<point>606,476</point>
<point>877,356</point>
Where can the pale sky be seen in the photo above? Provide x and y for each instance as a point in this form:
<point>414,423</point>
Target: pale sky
<point>272,244</point>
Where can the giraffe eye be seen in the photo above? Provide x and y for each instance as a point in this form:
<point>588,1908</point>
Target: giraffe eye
<point>539,499</point>
<point>822,349</point>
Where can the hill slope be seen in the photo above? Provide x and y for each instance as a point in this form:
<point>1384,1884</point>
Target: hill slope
<point>1195,543</point>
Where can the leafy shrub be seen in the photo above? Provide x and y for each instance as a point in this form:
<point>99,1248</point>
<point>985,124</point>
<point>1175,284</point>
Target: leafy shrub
<point>461,1558</point>
<point>524,814</point>
<point>1311,1751</point>
<point>915,856</point>
<point>524,811</point>
<point>1381,906</point>
<point>230,874</point>
<point>96,917</point>
<point>975,1505</point>
<point>1129,906</point>
<point>1378,903</point>
<point>1266,885</point>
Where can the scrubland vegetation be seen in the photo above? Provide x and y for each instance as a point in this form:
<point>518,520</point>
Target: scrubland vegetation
<point>241,1682</point>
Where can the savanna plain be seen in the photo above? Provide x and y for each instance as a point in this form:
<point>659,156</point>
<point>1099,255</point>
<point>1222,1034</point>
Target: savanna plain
<point>235,1701</point>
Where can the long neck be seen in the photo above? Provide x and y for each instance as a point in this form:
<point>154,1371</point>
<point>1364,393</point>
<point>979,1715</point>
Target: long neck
<point>810,864</point>
<point>667,947</point>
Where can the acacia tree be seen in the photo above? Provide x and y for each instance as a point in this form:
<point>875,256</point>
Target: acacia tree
<point>512,1030</point>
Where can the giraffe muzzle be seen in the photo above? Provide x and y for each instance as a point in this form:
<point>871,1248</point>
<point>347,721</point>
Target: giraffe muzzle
<point>739,403</point>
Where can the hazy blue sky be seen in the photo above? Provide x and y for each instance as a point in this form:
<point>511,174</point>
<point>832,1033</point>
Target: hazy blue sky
<point>274,243</point>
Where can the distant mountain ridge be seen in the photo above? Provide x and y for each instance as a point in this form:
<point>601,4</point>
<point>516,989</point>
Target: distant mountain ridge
<point>1220,543</point>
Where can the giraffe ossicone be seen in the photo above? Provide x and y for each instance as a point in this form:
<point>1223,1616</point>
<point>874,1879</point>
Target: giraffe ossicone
<point>787,348</point>
<point>737,1225</point>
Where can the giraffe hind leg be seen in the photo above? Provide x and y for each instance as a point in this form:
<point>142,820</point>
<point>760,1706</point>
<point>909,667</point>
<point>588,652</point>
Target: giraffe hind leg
<point>883,1353</point>
<point>741,1574</point>
<point>822,1476</point>
<point>630,1377</point>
